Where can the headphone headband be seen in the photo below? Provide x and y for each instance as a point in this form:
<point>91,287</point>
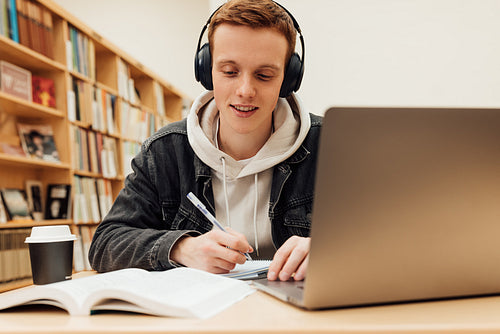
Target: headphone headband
<point>294,70</point>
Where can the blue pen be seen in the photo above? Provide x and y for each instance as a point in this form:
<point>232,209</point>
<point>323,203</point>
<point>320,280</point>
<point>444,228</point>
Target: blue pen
<point>210,217</point>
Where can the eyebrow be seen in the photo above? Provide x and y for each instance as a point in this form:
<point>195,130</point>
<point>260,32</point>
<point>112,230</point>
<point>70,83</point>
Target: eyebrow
<point>232,62</point>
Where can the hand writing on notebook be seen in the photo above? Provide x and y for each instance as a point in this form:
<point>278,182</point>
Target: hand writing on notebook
<point>215,251</point>
<point>290,260</point>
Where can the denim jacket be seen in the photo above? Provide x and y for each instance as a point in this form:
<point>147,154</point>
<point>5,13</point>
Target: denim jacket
<point>152,211</point>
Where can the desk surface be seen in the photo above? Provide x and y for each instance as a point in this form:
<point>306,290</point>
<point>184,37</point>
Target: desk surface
<point>265,314</point>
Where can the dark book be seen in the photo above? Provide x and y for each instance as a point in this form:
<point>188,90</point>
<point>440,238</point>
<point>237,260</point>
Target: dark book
<point>77,84</point>
<point>15,203</point>
<point>34,195</point>
<point>43,90</point>
<point>58,203</point>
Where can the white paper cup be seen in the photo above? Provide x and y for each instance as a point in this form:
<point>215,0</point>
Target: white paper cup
<point>51,253</point>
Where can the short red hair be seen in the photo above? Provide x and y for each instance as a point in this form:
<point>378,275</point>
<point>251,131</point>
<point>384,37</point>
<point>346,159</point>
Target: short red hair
<point>255,14</point>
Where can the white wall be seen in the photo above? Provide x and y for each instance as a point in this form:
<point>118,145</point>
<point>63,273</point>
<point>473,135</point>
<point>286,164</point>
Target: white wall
<point>161,34</point>
<point>400,52</point>
<point>358,52</point>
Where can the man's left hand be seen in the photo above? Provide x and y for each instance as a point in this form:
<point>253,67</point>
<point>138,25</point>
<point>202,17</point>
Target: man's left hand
<point>290,260</point>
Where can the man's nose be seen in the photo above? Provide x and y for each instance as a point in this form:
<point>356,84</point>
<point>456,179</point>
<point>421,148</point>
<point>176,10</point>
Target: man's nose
<point>246,86</point>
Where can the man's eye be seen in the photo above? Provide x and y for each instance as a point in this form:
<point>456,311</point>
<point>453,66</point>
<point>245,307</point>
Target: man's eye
<point>264,77</point>
<point>229,73</point>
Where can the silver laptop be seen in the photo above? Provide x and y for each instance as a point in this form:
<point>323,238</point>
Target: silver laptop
<point>407,208</point>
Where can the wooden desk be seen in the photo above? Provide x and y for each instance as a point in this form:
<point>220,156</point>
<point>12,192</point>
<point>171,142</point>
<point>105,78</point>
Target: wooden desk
<point>264,314</point>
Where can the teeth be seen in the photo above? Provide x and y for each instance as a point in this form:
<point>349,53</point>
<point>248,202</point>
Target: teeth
<point>244,109</point>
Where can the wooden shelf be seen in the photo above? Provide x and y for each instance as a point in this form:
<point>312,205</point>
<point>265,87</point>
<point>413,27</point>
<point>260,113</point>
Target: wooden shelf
<point>25,162</point>
<point>19,107</point>
<point>108,70</point>
<point>22,56</point>
<point>107,88</point>
<point>31,223</point>
<point>81,77</point>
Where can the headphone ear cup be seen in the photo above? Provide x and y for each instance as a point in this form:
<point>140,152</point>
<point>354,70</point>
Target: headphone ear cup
<point>293,76</point>
<point>203,67</point>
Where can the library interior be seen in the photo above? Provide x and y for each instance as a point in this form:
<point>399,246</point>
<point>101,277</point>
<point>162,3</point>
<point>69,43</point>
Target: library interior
<point>81,89</point>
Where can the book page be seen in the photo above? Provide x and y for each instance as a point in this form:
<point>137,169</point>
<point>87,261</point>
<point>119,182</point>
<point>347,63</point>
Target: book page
<point>179,292</point>
<point>41,294</point>
<point>69,295</point>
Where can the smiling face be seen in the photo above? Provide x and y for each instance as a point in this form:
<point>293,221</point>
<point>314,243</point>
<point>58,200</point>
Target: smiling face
<point>248,69</point>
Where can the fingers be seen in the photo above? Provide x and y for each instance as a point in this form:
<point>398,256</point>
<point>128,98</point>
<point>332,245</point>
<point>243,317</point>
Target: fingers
<point>290,260</point>
<point>300,274</point>
<point>210,251</point>
<point>225,246</point>
<point>240,243</point>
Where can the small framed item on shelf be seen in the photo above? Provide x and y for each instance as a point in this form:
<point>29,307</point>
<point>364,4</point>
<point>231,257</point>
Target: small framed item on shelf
<point>58,204</point>
<point>34,195</point>
<point>15,80</point>
<point>38,141</point>
<point>15,203</point>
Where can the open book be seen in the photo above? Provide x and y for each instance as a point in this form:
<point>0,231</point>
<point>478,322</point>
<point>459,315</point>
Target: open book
<point>179,292</point>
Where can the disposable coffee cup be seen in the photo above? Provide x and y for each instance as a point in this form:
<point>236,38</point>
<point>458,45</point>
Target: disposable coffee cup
<point>51,253</point>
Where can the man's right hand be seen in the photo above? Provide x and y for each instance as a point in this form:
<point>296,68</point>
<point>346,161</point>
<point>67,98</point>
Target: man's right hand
<point>216,251</point>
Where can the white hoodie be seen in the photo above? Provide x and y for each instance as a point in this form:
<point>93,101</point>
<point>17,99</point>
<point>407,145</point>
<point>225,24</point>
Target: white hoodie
<point>242,188</point>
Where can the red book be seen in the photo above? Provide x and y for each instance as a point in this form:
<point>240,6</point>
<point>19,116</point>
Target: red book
<point>44,91</point>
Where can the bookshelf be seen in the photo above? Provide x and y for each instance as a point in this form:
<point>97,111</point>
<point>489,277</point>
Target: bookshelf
<point>106,104</point>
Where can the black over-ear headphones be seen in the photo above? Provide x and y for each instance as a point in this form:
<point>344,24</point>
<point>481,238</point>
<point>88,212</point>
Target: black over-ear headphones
<point>293,72</point>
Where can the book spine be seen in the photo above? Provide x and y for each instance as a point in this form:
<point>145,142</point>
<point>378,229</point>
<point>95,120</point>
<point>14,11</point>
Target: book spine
<point>22,21</point>
<point>40,33</point>
<point>49,36</point>
<point>13,28</point>
<point>4,27</point>
<point>14,255</point>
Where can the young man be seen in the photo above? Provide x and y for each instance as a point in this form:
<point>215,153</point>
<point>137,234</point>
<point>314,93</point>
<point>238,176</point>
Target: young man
<point>246,153</point>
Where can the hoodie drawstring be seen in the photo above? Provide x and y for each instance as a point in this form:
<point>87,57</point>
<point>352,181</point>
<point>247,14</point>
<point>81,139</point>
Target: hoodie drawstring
<point>225,190</point>
<point>256,198</point>
<point>255,215</point>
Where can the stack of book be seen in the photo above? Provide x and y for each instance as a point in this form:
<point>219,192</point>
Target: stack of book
<point>80,53</point>
<point>14,255</point>
<point>94,152</point>
<point>27,23</point>
<point>92,199</point>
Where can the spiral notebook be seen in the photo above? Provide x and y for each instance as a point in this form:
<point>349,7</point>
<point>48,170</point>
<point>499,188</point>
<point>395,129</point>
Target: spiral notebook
<point>249,270</point>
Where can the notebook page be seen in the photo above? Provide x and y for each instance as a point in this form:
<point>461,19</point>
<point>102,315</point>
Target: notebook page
<point>249,270</point>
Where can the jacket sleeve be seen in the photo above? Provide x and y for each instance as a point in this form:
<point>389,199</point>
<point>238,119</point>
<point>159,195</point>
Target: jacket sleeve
<point>134,233</point>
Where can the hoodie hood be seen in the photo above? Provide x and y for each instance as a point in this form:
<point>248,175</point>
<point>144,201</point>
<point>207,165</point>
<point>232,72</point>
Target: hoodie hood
<point>236,184</point>
<point>291,125</point>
